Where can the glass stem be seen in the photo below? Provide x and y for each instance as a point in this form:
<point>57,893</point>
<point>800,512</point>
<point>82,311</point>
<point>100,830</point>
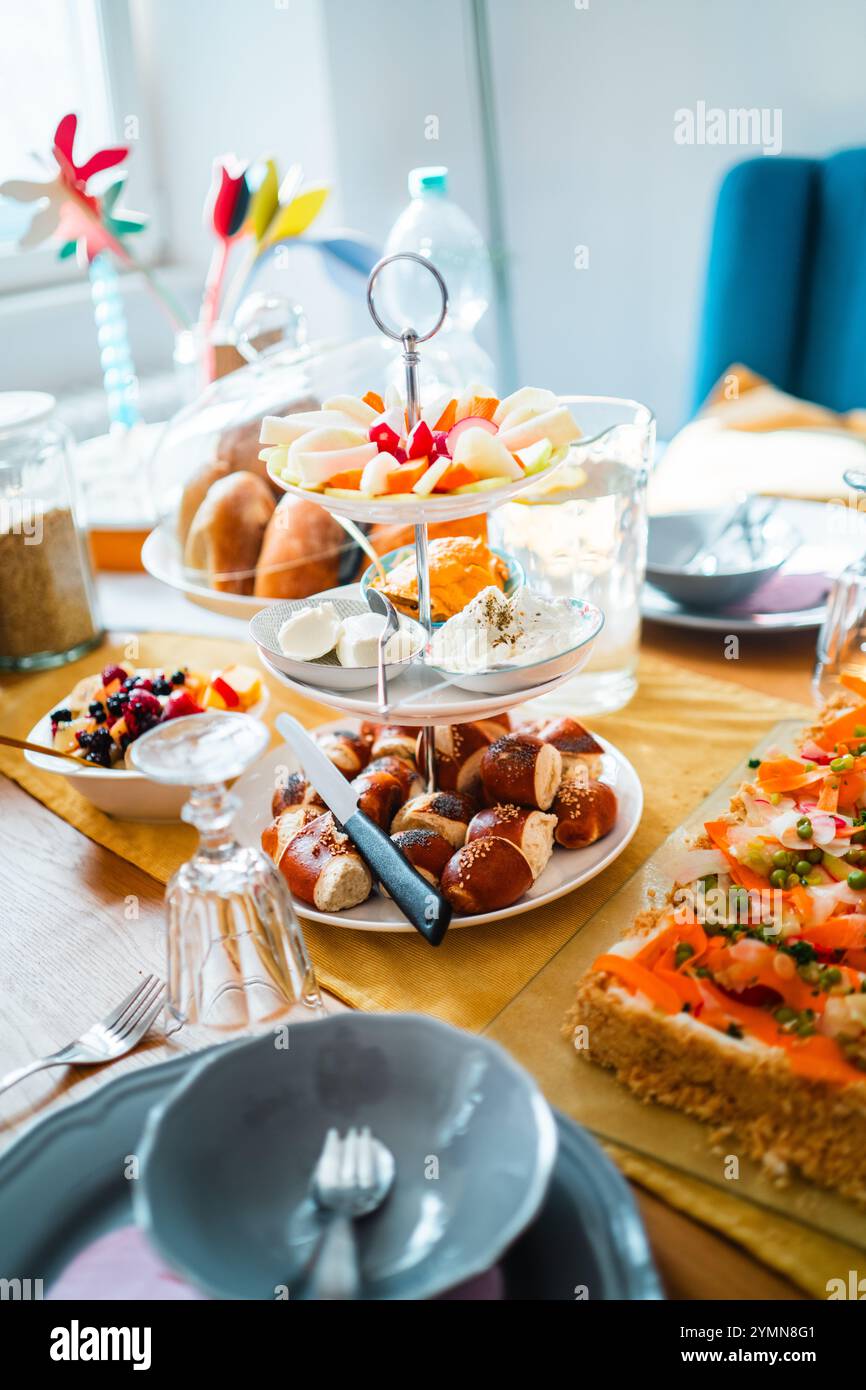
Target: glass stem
<point>211,810</point>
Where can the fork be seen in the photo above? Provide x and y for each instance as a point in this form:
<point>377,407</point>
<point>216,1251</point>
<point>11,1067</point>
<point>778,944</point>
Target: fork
<point>352,1179</point>
<point>115,1035</point>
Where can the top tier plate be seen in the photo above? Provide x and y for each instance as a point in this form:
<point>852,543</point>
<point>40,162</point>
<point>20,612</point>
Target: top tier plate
<point>409,510</point>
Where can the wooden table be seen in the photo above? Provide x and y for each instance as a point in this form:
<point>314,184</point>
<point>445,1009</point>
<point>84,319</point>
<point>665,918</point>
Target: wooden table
<point>78,925</point>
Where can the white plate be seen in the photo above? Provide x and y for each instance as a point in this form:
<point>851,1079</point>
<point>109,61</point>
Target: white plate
<point>118,791</point>
<point>833,535</point>
<point>567,869</point>
<point>160,556</point>
<point>420,697</point>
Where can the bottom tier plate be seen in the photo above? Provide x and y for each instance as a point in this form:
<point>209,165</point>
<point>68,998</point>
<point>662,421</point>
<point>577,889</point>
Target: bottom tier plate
<point>566,871</point>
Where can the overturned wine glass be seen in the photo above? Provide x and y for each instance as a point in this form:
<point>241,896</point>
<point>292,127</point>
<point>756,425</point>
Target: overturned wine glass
<point>236,953</point>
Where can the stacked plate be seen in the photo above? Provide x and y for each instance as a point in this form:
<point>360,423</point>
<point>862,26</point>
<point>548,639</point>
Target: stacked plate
<point>493,1196</point>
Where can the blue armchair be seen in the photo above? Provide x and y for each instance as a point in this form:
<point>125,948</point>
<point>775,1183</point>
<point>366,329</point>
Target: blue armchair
<point>786,280</point>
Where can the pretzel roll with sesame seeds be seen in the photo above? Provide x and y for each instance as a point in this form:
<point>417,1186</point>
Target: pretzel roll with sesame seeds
<point>459,750</point>
<point>521,768</point>
<point>426,850</point>
<point>322,867</point>
<point>531,831</point>
<point>486,875</point>
<point>448,813</point>
<point>580,752</point>
<point>285,826</point>
<point>584,813</point>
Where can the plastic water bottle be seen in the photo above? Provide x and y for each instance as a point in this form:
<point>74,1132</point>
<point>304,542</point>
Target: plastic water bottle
<point>435,227</point>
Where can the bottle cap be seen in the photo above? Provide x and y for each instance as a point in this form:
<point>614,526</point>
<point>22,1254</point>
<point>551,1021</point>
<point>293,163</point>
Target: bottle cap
<point>433,179</point>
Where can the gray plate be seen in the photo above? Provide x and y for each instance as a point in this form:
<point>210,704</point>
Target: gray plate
<point>62,1186</point>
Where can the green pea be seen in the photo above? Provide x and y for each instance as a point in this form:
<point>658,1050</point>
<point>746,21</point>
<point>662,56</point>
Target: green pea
<point>682,953</point>
<point>857,879</point>
<point>784,859</point>
<point>814,856</point>
<point>803,868</point>
<point>804,828</point>
<point>793,880</point>
<point>779,878</point>
<point>785,1014</point>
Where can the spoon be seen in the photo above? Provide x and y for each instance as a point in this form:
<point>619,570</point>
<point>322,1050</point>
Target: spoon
<point>379,603</point>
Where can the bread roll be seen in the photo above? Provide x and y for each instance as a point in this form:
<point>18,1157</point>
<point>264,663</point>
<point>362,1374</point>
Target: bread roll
<point>322,867</point>
<point>194,493</point>
<point>285,827</point>
<point>448,813</point>
<point>459,750</point>
<point>584,813</point>
<point>226,533</point>
<point>531,831</point>
<point>519,767</point>
<point>300,552</point>
<point>411,783</point>
<point>581,753</point>
<point>380,796</point>
<point>395,741</point>
<point>346,750</point>
<point>295,791</point>
<point>426,851</point>
<point>485,876</point>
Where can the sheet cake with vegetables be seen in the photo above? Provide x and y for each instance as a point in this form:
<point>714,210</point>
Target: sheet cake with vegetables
<point>741,999</point>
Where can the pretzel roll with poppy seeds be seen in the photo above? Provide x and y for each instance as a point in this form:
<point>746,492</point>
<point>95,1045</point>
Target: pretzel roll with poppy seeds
<point>486,875</point>
<point>531,831</point>
<point>426,850</point>
<point>584,813</point>
<point>295,791</point>
<point>521,768</point>
<point>448,813</point>
<point>581,753</point>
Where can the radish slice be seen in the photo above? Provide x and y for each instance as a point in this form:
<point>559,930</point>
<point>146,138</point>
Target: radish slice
<point>692,864</point>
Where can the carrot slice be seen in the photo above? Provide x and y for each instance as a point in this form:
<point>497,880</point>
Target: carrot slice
<point>855,683</point>
<point>685,988</point>
<point>841,730</point>
<point>458,475</point>
<point>829,797</point>
<point>638,978</point>
<point>838,933</point>
<point>350,479</point>
<point>691,933</point>
<point>740,873</point>
<point>374,400</point>
<point>481,407</point>
<point>448,416</point>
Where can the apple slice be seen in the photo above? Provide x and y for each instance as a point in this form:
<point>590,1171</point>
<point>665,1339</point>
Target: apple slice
<point>285,429</point>
<point>428,480</point>
<point>317,469</point>
<point>559,426</point>
<point>486,455</point>
<point>374,478</point>
<point>532,399</point>
<point>353,406</point>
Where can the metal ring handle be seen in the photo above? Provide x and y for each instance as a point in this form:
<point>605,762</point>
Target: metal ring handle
<point>380,324</point>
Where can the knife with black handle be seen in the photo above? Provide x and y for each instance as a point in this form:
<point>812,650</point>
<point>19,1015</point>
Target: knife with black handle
<point>417,899</point>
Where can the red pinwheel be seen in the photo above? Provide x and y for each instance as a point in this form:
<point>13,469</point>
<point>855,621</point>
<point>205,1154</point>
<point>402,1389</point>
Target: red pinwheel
<point>225,212</point>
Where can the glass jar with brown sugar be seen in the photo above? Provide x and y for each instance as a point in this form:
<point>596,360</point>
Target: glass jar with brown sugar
<point>47,606</point>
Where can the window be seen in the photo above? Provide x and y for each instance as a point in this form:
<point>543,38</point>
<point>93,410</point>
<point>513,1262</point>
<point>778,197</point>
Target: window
<point>59,56</point>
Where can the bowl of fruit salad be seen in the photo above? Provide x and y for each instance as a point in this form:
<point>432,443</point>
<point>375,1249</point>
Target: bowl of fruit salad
<point>106,712</point>
<point>467,453</point>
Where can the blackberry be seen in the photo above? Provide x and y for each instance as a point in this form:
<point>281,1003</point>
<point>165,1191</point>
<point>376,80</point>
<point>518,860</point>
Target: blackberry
<point>162,687</point>
<point>60,716</point>
<point>100,748</point>
<point>97,711</point>
<point>84,739</point>
<point>179,678</point>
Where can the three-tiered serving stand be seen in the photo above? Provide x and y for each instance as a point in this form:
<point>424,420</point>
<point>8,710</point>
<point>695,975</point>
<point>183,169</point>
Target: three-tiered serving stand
<point>421,700</point>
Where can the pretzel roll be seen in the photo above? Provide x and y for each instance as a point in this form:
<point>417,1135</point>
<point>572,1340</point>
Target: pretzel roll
<point>459,750</point>
<point>448,813</point>
<point>285,827</point>
<point>519,767</point>
<point>322,867</point>
<point>346,749</point>
<point>427,851</point>
<point>411,782</point>
<point>295,791</point>
<point>368,731</point>
<point>486,875</point>
<point>380,796</point>
<point>531,831</point>
<point>583,813</point>
<point>394,741</point>
<point>577,746</point>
